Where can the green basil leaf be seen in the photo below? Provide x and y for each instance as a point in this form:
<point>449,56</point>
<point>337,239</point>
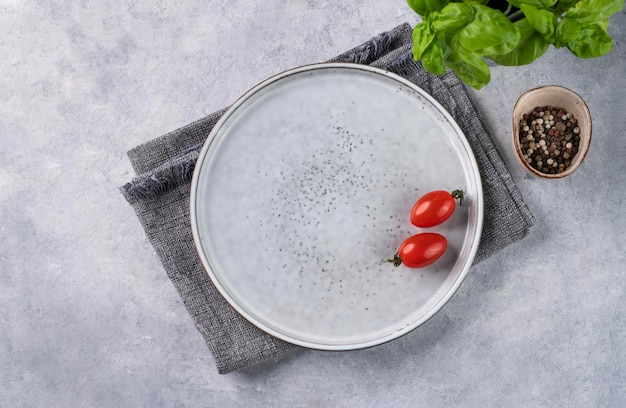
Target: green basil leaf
<point>425,7</point>
<point>542,20</point>
<point>469,67</point>
<point>490,32</point>
<point>567,30</point>
<point>531,46</point>
<point>567,3</point>
<point>537,3</point>
<point>452,17</point>
<point>432,58</point>
<point>592,11</point>
<point>564,5</point>
<point>593,41</point>
<point>423,36</point>
<point>604,24</point>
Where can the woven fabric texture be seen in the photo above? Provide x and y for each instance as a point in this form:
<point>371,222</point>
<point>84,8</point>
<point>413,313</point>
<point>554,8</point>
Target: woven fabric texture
<point>160,195</point>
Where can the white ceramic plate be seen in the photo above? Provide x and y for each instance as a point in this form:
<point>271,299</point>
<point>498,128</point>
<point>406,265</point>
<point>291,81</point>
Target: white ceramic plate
<point>303,190</point>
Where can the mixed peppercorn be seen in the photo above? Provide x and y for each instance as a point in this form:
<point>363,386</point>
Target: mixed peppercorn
<point>549,138</point>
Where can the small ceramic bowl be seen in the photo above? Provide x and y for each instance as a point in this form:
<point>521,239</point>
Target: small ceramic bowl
<point>558,97</point>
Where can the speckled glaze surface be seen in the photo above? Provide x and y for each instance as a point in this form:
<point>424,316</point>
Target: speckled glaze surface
<point>304,190</point>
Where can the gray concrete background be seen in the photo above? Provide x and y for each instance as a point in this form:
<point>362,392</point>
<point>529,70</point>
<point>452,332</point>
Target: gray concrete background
<point>88,317</point>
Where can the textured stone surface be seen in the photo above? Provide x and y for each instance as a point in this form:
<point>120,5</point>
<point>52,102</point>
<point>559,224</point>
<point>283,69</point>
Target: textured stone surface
<point>88,316</point>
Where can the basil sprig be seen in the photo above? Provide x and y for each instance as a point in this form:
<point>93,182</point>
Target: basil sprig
<point>461,34</point>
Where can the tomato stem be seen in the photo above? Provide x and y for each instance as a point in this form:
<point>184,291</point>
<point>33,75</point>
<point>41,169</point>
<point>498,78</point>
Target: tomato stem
<point>397,261</point>
<point>458,195</point>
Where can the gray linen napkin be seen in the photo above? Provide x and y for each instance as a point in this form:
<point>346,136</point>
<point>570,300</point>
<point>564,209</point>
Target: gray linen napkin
<point>160,196</point>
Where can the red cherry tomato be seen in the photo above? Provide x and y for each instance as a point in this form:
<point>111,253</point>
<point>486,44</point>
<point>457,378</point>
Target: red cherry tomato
<point>420,250</point>
<point>435,207</point>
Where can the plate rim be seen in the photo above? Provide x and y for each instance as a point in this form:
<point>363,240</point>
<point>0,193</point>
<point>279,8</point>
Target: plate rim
<point>311,344</point>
